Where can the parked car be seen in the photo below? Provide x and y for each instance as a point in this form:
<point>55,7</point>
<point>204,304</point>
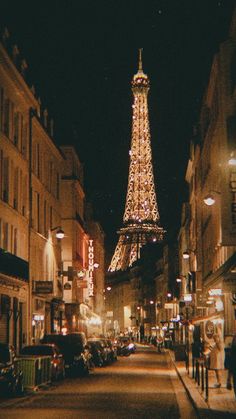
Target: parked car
<point>113,350</point>
<point>96,350</point>
<point>102,348</point>
<point>57,360</point>
<point>11,380</point>
<point>72,346</point>
<point>125,346</point>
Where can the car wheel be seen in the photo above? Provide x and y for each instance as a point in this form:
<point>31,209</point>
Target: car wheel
<point>19,390</point>
<point>86,370</point>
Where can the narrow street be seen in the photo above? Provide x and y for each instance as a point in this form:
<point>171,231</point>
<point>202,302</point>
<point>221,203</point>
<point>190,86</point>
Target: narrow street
<point>144,385</point>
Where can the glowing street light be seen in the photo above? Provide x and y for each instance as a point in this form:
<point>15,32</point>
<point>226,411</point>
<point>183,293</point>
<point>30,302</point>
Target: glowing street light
<point>209,200</point>
<point>60,233</point>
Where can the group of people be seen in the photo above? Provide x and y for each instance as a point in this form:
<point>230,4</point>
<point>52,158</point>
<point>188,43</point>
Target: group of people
<point>220,359</point>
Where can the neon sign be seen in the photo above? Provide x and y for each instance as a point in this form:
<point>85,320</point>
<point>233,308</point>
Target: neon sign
<point>215,292</point>
<point>90,269</point>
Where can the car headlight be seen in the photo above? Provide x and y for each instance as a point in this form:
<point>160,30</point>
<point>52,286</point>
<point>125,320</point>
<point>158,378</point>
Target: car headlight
<point>131,346</point>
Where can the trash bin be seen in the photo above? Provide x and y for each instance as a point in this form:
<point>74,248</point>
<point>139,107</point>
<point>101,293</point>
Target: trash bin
<point>36,370</point>
<point>180,352</point>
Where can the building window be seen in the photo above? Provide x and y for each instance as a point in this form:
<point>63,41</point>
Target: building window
<point>16,188</point>
<point>24,194</point>
<point>15,241</point>
<point>16,129</point>
<point>1,223</point>
<point>7,117</point>
<point>24,139</point>
<point>5,191</point>
<point>38,213</point>
<point>58,186</point>
<point>45,218</point>
<point>5,237</point>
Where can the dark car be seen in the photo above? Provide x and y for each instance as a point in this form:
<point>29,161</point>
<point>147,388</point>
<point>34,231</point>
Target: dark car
<point>96,351</point>
<point>113,350</point>
<point>72,346</point>
<point>125,345</point>
<point>57,360</point>
<point>102,347</point>
<point>11,380</point>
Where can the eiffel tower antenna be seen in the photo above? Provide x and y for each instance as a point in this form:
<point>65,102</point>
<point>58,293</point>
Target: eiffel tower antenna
<point>141,216</point>
<point>140,64</point>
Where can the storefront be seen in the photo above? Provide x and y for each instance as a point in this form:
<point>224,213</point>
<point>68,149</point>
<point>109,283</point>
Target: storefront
<point>57,315</point>
<point>220,292</point>
<point>38,319</point>
<point>48,312</point>
<point>13,300</point>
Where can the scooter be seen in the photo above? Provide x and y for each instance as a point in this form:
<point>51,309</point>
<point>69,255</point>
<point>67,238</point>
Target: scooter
<point>127,350</point>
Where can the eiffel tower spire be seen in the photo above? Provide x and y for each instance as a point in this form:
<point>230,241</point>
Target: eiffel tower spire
<point>141,216</point>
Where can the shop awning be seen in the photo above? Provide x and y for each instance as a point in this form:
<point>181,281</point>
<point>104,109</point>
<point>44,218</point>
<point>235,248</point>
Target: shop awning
<point>212,316</point>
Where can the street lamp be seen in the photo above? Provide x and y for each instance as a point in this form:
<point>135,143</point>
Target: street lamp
<point>186,253</point>
<point>210,199</point>
<point>232,159</point>
<point>60,233</point>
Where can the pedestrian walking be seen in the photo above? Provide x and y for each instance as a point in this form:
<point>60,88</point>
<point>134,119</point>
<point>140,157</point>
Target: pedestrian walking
<point>230,364</point>
<point>217,357</point>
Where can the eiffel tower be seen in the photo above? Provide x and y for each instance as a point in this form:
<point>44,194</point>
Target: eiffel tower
<point>141,216</point>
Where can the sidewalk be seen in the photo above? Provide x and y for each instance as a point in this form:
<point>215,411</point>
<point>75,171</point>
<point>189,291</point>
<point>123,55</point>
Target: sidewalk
<point>220,400</point>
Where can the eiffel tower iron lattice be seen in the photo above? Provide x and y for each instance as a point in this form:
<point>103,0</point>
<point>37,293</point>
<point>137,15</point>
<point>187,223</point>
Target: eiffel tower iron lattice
<point>141,216</point>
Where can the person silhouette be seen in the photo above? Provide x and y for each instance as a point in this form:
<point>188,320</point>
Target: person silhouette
<point>217,356</point>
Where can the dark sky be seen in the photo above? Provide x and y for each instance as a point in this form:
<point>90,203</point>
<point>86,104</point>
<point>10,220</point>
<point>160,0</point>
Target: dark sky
<point>82,56</point>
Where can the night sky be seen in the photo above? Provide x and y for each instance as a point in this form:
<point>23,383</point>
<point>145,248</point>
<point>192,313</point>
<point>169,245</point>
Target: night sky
<point>82,56</point>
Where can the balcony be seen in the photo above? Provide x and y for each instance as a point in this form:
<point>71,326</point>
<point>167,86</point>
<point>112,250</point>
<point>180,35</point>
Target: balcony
<point>13,266</point>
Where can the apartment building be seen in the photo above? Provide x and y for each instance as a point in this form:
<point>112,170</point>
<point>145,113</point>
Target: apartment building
<point>41,201</point>
<point>210,254</point>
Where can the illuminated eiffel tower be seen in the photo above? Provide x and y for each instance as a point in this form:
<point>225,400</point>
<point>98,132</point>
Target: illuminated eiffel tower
<point>141,216</point>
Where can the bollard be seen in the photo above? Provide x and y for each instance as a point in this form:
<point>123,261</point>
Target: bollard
<point>193,366</point>
<point>206,381</point>
<point>202,374</point>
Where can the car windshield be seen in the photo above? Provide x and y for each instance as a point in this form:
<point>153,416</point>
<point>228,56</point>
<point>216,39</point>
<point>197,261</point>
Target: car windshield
<point>37,350</point>
<point>4,354</point>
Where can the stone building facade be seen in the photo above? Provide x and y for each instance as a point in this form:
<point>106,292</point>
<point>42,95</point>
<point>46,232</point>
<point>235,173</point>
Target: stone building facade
<point>41,192</point>
<point>209,241</point>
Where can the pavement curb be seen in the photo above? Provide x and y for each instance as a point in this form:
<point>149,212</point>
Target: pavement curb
<point>196,399</point>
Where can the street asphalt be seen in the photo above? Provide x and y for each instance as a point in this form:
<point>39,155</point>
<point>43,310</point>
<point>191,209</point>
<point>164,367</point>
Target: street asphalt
<point>144,385</point>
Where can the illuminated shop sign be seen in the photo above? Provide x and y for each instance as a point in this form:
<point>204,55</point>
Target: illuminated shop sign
<point>215,292</point>
<point>232,184</point>
<point>38,317</point>
<point>43,287</point>
<point>90,269</point>
<point>187,297</point>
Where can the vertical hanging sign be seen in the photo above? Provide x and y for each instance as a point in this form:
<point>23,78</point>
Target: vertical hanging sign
<point>90,268</point>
